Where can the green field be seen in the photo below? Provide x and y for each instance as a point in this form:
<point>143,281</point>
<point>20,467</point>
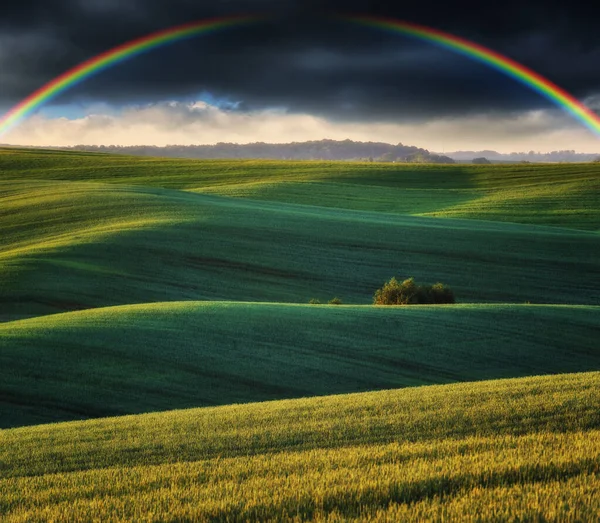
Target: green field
<point>71,237</point>
<point>563,195</point>
<point>516,450</point>
<point>133,285</point>
<point>144,358</point>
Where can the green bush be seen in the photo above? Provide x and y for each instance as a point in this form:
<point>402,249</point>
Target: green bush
<point>333,301</point>
<point>409,293</point>
<point>441,293</point>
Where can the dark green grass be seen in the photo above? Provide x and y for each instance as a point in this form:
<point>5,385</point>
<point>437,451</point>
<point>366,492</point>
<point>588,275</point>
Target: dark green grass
<point>82,231</point>
<point>72,245</point>
<point>163,356</point>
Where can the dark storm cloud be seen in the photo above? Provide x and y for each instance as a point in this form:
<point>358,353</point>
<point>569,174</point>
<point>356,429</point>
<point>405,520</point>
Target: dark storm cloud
<point>302,60</point>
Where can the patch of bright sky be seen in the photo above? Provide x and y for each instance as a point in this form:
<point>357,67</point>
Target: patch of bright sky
<point>215,101</point>
<point>83,108</point>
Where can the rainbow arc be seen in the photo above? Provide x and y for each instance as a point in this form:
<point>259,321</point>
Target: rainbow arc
<point>130,49</point>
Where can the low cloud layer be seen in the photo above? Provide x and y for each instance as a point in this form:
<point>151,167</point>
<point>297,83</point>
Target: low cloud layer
<point>171,123</point>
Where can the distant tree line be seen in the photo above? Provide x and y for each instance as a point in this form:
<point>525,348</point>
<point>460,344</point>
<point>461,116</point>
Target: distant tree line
<point>311,150</point>
<point>566,155</point>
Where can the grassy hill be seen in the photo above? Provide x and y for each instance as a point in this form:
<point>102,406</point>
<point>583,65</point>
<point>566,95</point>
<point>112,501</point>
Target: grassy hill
<point>151,357</point>
<point>565,195</point>
<point>134,285</point>
<point>81,231</point>
<point>71,237</point>
<point>518,450</point>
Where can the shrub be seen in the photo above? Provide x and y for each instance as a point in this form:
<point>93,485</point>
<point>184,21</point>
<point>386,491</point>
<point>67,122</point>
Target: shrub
<point>335,301</point>
<point>409,293</point>
<point>314,301</point>
<point>441,293</point>
<point>395,293</point>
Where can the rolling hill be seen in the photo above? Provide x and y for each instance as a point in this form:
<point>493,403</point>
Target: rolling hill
<point>185,273</point>
<point>509,450</point>
<point>135,287</point>
<point>142,358</point>
<point>73,236</point>
<point>562,195</point>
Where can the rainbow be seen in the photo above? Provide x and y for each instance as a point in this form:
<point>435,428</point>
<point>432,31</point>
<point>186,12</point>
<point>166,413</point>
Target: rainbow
<point>495,60</point>
<point>140,45</point>
<point>112,57</point>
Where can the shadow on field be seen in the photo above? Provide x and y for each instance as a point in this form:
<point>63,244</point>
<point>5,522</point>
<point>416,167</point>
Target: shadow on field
<point>371,188</point>
<point>249,251</point>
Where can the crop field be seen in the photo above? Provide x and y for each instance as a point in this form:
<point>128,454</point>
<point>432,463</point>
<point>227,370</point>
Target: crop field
<point>562,195</point>
<point>142,358</point>
<point>72,238</point>
<point>525,449</point>
<point>168,352</point>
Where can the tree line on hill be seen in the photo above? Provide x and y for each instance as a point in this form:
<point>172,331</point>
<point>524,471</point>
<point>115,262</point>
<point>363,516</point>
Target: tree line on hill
<point>567,155</point>
<point>311,150</point>
<point>335,150</point>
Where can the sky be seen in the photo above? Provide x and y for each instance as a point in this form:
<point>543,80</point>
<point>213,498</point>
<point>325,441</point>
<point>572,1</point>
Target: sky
<point>302,74</point>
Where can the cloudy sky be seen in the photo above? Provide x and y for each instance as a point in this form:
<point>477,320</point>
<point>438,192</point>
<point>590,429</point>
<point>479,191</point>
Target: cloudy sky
<point>302,74</point>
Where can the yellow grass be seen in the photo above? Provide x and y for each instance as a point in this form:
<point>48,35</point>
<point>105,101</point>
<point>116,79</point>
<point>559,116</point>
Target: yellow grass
<point>511,450</point>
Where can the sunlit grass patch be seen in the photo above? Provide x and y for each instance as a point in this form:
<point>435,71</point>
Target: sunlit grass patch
<point>509,449</point>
